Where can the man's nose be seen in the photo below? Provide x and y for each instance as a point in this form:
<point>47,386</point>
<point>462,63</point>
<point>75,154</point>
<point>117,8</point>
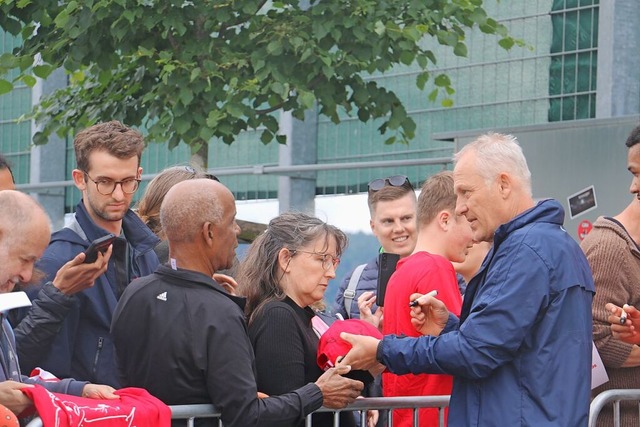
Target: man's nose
<point>118,193</point>
<point>26,274</point>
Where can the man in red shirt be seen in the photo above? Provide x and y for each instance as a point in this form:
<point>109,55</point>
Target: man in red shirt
<point>443,237</point>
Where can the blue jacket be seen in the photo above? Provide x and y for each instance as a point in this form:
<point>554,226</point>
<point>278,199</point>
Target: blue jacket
<point>69,335</point>
<point>9,369</point>
<point>521,351</point>
<point>368,282</point>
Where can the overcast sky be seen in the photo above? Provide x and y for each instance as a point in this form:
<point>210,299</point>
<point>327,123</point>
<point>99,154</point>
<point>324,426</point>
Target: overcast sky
<point>349,213</point>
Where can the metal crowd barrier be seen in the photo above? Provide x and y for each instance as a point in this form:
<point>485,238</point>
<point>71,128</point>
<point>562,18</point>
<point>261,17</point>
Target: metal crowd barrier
<point>616,396</point>
<point>411,402</point>
<point>192,412</point>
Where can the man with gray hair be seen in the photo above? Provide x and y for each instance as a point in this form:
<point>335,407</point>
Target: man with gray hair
<point>24,235</point>
<point>520,353</point>
<point>182,337</point>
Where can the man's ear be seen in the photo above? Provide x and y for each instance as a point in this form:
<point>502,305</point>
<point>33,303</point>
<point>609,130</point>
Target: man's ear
<point>504,184</point>
<point>444,219</point>
<point>284,257</point>
<point>79,179</point>
<point>208,232</point>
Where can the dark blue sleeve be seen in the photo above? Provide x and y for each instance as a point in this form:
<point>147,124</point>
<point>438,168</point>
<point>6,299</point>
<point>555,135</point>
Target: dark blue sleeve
<point>503,313</point>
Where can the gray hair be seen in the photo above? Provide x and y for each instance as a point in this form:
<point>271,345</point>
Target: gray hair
<point>187,206</point>
<point>17,211</point>
<point>258,276</point>
<point>497,153</point>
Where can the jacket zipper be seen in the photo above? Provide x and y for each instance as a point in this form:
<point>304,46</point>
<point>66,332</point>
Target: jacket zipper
<point>95,361</point>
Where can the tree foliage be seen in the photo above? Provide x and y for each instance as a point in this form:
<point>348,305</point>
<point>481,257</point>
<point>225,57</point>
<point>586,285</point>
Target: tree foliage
<point>191,70</point>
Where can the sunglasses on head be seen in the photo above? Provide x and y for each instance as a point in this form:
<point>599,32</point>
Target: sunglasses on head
<point>190,169</point>
<point>394,181</point>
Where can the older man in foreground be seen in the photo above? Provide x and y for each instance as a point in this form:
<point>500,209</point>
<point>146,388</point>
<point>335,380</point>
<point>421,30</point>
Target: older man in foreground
<point>520,353</point>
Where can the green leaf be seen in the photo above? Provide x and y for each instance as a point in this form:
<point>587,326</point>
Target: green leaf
<point>379,28</point>
<point>195,73</point>
<point>422,80</point>
<point>422,61</point>
<point>62,19</point>
<point>447,102</point>
<point>390,140</point>
<point>42,71</point>
<point>214,118</point>
<point>407,57</point>
<point>28,80</point>
<point>8,61</point>
<point>506,43</point>
<point>186,96</point>
<point>307,99</point>
<point>181,125</point>
<point>206,133</point>
<point>5,86</point>
<point>235,110</point>
<point>274,47</point>
<point>433,95</point>
<point>460,49</point>
<point>442,80</point>
<point>282,139</point>
<point>266,137</point>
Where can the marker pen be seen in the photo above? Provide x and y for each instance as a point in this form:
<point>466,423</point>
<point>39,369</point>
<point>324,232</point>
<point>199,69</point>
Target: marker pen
<point>415,301</point>
<point>623,316</point>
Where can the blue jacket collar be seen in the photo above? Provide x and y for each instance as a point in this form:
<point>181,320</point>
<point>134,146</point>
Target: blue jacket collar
<point>548,210</point>
<point>139,236</point>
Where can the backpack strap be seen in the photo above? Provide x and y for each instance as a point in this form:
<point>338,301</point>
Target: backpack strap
<point>350,292</point>
<point>74,225</point>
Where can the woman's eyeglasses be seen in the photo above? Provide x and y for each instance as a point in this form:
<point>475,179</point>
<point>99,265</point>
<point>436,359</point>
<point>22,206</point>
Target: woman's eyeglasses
<point>328,260</point>
<point>394,181</point>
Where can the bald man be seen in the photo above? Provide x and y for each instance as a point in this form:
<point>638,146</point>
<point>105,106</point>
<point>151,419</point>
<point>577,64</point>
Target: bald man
<point>24,235</point>
<point>182,337</point>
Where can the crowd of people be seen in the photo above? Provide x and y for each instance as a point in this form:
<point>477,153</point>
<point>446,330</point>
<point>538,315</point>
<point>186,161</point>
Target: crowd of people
<point>491,302</point>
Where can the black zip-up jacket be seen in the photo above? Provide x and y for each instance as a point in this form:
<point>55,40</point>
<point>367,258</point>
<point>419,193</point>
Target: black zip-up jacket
<point>182,337</point>
<point>68,335</point>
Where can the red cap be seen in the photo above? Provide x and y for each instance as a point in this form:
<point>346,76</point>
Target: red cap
<point>331,345</point>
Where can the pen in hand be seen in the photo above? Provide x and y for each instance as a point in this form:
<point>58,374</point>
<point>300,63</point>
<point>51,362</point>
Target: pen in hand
<point>623,316</point>
<point>416,301</point>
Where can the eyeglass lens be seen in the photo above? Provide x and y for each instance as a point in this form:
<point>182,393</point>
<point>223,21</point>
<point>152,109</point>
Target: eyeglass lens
<point>107,187</point>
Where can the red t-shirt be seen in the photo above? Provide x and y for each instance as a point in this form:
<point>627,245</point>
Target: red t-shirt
<point>421,272</point>
<point>136,407</point>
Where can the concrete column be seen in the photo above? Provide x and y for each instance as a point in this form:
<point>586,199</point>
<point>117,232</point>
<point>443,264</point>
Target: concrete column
<point>618,83</point>
<point>297,191</point>
<point>48,162</point>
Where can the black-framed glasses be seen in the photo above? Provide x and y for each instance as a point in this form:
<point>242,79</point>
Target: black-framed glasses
<point>106,187</point>
<point>190,169</point>
<point>328,260</point>
<point>394,181</point>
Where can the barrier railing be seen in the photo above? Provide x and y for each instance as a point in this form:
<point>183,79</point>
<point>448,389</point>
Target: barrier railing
<point>614,396</point>
<point>190,413</point>
<point>383,403</point>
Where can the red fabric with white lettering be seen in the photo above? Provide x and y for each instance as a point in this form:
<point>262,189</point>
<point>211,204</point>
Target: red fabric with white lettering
<point>136,407</point>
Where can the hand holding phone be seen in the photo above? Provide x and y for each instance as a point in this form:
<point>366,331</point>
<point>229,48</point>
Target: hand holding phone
<point>101,244</point>
<point>386,266</point>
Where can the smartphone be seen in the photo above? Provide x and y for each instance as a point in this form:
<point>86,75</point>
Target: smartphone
<point>386,266</point>
<point>101,244</point>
